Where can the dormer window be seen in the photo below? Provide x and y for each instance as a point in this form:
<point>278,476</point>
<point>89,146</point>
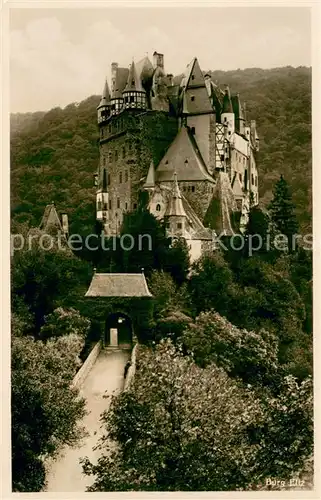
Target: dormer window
<point>158,207</point>
<point>186,161</point>
<point>193,77</point>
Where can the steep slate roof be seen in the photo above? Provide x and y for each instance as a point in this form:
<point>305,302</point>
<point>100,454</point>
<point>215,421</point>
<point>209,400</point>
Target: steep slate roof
<point>121,80</point>
<point>118,285</point>
<point>183,158</point>
<point>195,95</point>
<point>144,69</point>
<point>199,231</point>
<point>223,203</point>
<point>150,179</point>
<point>105,98</point>
<point>133,81</point>
<point>50,218</point>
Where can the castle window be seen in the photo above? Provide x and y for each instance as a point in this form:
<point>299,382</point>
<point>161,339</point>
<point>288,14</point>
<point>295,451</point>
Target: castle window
<point>193,77</point>
<point>193,189</point>
<point>110,155</point>
<point>240,176</point>
<point>108,179</point>
<point>105,206</point>
<point>118,203</point>
<point>256,181</point>
<point>126,205</point>
<point>192,97</point>
<point>99,206</point>
<point>222,157</point>
<point>252,178</point>
<point>225,119</point>
<point>109,204</point>
<point>193,130</point>
<point>166,162</point>
<point>225,150</point>
<point>229,132</point>
<point>186,161</point>
<point>135,206</point>
<point>120,178</point>
<point>179,225</point>
<point>132,98</point>
<point>124,151</point>
<point>158,207</point>
<point>126,176</point>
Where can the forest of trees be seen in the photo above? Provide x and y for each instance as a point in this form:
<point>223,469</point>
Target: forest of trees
<point>222,396</point>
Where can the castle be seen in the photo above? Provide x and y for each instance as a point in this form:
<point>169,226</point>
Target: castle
<point>185,142</point>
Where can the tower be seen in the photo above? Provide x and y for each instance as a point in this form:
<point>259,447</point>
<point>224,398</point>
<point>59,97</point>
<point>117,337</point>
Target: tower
<point>198,113</point>
<point>175,214</point>
<point>103,109</point>
<point>134,96</point>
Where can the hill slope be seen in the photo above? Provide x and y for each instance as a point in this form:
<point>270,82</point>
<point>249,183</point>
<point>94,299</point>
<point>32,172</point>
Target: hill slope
<point>54,155</point>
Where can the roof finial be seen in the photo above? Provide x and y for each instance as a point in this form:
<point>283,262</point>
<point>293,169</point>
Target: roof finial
<point>95,269</point>
<point>142,270</point>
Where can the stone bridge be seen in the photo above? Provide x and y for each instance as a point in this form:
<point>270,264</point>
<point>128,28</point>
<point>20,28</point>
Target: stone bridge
<point>106,376</point>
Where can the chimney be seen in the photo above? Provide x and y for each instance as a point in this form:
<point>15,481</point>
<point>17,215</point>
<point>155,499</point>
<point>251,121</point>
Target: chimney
<point>114,67</point>
<point>170,79</point>
<point>158,60</point>
<point>64,223</point>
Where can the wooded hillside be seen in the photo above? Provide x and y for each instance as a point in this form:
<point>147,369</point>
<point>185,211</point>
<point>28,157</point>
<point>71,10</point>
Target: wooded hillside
<point>54,155</point>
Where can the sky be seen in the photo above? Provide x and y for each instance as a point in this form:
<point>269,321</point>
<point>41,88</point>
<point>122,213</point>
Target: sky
<point>59,56</point>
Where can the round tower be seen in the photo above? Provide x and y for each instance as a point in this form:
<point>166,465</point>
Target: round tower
<point>134,95</point>
<point>103,109</point>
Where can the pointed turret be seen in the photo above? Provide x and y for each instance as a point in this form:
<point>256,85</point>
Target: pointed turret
<point>104,106</point>
<point>133,82</point>
<point>175,207</point>
<point>133,94</point>
<point>150,179</point>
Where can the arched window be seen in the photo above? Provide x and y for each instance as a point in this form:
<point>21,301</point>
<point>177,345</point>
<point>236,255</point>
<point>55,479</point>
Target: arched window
<point>158,207</point>
<point>120,177</point>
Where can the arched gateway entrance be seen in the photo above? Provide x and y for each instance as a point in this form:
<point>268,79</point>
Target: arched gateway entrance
<point>119,330</point>
<point>121,303</point>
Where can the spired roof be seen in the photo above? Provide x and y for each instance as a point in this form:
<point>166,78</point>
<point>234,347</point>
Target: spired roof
<point>175,205</point>
<point>150,179</point>
<point>120,83</point>
<point>118,285</point>
<point>184,158</point>
<point>50,219</point>
<point>133,82</point>
<point>105,98</point>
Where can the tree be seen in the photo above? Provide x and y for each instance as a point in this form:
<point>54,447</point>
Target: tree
<point>282,211</point>
<point>45,409</point>
<point>210,283</point>
<point>178,428</point>
<point>177,261</point>
<point>183,428</point>
<point>150,242</point>
<point>64,322</point>
<point>246,354</point>
<point>45,280</point>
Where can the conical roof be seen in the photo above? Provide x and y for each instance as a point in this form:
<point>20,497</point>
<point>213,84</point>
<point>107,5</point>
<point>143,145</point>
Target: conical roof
<point>50,218</point>
<point>105,98</point>
<point>133,82</point>
<point>150,179</point>
<point>175,205</point>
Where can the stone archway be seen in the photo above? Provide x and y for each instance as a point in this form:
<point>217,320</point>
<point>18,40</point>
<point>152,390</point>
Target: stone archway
<point>118,330</point>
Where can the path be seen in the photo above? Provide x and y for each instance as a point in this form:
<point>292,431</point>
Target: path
<point>107,374</point>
